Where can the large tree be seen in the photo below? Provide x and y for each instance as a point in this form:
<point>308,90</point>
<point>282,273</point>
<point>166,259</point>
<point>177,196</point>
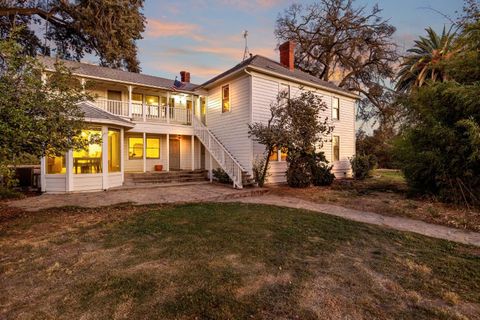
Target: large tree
<point>39,115</point>
<point>425,61</point>
<point>352,46</point>
<point>106,28</point>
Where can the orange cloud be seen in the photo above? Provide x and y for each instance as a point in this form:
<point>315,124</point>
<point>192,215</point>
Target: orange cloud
<point>157,28</point>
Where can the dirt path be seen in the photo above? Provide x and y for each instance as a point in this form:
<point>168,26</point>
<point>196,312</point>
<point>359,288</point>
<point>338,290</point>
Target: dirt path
<point>398,223</point>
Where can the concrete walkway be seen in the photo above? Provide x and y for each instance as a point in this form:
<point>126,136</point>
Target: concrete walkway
<point>398,223</point>
<point>156,194</point>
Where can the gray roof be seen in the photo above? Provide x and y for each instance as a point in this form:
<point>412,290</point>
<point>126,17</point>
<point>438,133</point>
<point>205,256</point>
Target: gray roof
<point>274,66</point>
<point>92,70</point>
<point>93,113</point>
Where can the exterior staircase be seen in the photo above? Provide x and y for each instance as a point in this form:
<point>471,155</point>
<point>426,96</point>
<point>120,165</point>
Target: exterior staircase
<point>240,177</point>
<point>148,178</point>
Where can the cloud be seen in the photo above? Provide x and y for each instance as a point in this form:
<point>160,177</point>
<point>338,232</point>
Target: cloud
<point>248,5</point>
<point>157,29</point>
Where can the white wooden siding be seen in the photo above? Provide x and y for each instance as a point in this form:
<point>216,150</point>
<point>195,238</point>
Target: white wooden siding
<point>231,128</point>
<point>264,92</point>
<point>55,183</point>
<point>87,182</point>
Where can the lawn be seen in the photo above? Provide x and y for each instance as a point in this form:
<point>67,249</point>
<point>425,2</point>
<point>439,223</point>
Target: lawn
<point>386,193</point>
<point>227,261</point>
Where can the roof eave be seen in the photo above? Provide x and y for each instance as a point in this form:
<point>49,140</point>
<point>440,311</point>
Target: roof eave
<point>127,82</point>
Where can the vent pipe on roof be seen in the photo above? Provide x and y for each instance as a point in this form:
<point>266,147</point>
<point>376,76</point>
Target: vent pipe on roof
<point>185,76</point>
<point>287,54</point>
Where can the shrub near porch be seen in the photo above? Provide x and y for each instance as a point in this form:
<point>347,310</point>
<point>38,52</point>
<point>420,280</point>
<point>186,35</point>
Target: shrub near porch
<point>220,261</point>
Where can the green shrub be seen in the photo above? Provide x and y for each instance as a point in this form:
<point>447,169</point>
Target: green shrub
<point>362,166</point>
<point>322,174</point>
<point>299,174</point>
<point>221,176</point>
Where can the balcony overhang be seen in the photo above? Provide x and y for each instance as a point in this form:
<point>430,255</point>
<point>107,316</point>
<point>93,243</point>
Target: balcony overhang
<point>93,114</point>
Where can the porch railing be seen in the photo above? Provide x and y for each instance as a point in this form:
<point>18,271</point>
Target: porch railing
<point>218,151</point>
<point>146,112</point>
<point>116,107</point>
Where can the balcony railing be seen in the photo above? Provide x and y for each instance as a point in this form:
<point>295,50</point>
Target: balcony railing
<point>145,112</point>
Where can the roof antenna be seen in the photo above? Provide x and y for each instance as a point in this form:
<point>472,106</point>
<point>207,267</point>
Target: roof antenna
<point>246,53</point>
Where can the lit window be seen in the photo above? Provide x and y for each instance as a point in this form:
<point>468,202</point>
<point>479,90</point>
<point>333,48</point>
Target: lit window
<point>135,148</point>
<point>274,155</point>
<point>114,153</point>
<point>89,160</point>
<point>336,148</point>
<point>225,98</point>
<point>152,100</point>
<point>335,108</point>
<point>153,148</point>
<point>283,154</point>
<point>56,165</point>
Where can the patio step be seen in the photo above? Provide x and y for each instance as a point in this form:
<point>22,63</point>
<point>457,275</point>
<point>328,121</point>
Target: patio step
<point>133,179</point>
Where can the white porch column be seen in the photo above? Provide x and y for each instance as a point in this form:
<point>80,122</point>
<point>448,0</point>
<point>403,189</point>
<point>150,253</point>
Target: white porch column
<point>193,152</point>
<point>122,153</point>
<point>82,83</point>
<point>144,152</point>
<point>43,174</point>
<point>104,157</point>
<point>69,171</point>
<point>210,165</point>
<point>168,112</point>
<point>167,160</point>
<point>130,89</point>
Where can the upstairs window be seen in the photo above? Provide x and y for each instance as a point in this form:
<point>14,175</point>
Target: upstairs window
<point>336,148</point>
<point>284,92</point>
<point>335,108</point>
<point>225,98</point>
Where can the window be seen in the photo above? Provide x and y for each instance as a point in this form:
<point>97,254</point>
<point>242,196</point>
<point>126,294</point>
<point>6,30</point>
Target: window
<point>274,155</point>
<point>225,98</point>
<point>114,153</point>
<point>152,100</point>
<point>283,154</point>
<point>137,97</point>
<point>335,109</point>
<point>89,160</point>
<point>56,165</point>
<point>114,95</point>
<point>336,148</point>
<point>153,148</point>
<point>135,148</point>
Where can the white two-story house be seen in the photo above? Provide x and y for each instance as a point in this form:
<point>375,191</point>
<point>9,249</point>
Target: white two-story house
<point>152,124</point>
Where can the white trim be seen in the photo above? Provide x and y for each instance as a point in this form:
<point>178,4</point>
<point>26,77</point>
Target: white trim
<point>43,174</point>
<point>69,171</point>
<point>144,151</point>
<point>167,161</point>
<point>104,157</point>
<point>122,153</point>
<point>193,151</point>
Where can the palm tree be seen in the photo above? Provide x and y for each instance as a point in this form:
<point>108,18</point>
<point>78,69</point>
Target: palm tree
<point>425,59</point>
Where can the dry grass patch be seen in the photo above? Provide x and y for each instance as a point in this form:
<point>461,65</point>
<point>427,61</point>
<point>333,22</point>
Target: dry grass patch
<point>225,261</point>
<point>386,193</point>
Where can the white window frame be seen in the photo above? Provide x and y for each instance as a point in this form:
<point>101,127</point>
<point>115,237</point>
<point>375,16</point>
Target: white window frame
<point>336,116</point>
<point>229,98</point>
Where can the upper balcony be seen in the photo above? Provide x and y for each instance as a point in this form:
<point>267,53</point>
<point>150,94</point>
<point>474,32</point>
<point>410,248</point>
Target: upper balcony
<point>143,104</point>
<point>146,112</point>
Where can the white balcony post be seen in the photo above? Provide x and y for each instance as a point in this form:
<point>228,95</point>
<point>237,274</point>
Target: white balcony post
<point>144,109</point>
<point>168,108</point>
<point>130,89</point>
<point>193,152</point>
<point>144,152</point>
<point>167,160</point>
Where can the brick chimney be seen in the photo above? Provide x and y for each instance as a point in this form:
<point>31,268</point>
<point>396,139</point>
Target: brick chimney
<point>185,76</point>
<point>287,54</point>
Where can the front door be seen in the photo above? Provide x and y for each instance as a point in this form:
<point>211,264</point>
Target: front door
<point>174,156</point>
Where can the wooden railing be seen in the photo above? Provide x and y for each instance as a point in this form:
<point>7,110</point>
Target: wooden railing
<point>116,107</point>
<point>224,158</point>
<point>146,112</point>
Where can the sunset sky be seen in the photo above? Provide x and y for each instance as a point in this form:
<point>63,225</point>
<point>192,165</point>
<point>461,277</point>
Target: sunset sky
<point>205,37</point>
